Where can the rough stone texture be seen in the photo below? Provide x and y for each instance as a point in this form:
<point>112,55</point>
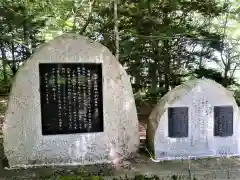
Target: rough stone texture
<point>24,144</point>
<point>199,94</point>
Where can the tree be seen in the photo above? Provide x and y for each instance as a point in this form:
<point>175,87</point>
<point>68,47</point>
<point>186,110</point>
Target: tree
<point>156,38</point>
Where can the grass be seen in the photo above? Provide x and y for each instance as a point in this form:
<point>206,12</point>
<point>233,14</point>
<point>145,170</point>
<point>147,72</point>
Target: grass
<point>137,177</point>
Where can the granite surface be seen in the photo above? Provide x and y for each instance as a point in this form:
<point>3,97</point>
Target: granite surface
<point>24,144</point>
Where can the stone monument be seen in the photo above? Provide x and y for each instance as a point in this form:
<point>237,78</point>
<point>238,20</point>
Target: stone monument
<point>199,118</point>
<point>71,103</point>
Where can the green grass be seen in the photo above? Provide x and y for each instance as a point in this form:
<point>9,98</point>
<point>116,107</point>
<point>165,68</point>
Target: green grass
<point>137,177</point>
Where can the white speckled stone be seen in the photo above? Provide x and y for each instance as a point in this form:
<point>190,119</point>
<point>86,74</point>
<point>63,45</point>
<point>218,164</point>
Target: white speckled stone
<point>200,95</point>
<point>24,144</point>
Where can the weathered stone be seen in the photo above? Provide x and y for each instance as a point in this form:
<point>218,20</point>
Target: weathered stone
<point>22,130</point>
<point>201,97</point>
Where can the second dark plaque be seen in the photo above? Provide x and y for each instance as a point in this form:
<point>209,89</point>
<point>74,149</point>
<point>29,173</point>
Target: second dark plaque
<point>178,122</point>
<point>71,98</point>
<point>223,121</point>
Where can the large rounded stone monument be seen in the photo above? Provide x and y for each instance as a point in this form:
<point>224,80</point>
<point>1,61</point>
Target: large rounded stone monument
<point>70,103</point>
<point>199,118</point>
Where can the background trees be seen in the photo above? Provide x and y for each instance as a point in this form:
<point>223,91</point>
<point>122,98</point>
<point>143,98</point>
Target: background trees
<point>161,42</point>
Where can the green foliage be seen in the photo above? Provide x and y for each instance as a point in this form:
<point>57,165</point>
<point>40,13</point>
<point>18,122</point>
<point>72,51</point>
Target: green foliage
<point>80,178</point>
<point>5,84</point>
<point>161,42</point>
<point>162,56</point>
<point>215,75</point>
<point>237,96</point>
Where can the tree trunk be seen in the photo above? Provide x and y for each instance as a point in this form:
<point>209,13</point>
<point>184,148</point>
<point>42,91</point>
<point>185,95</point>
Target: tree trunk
<point>225,78</point>
<point>14,66</point>
<point>25,48</point>
<point>4,59</point>
<point>153,75</point>
<point>166,52</point>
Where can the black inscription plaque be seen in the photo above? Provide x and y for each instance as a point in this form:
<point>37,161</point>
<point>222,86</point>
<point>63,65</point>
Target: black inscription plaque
<point>71,98</point>
<point>223,121</point>
<point>178,122</point>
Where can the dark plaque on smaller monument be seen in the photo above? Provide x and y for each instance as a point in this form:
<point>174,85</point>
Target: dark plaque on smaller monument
<point>178,122</point>
<point>223,121</point>
<point>71,98</point>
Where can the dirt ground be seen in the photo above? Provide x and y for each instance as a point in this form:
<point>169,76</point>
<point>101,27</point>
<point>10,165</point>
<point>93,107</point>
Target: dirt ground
<point>214,168</point>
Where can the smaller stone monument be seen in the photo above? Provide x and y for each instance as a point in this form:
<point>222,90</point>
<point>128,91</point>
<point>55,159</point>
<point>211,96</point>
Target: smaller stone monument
<point>71,103</point>
<point>199,118</point>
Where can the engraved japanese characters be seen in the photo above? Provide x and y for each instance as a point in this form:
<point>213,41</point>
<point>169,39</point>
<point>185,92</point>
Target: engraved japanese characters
<point>74,93</point>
